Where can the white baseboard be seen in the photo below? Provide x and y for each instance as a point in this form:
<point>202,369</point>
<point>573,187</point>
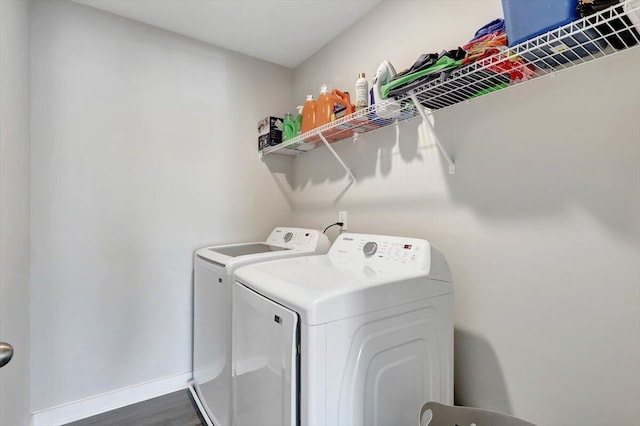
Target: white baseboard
<point>98,404</point>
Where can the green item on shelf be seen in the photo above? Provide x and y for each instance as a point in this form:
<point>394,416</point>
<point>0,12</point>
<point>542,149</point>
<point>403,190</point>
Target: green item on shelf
<point>443,63</point>
<point>489,90</point>
<point>289,128</point>
<point>299,120</point>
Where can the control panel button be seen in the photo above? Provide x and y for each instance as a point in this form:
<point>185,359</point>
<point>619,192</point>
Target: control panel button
<point>288,236</point>
<point>370,249</point>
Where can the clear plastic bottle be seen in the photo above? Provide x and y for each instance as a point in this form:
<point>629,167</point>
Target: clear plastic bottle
<point>362,92</point>
<point>299,120</point>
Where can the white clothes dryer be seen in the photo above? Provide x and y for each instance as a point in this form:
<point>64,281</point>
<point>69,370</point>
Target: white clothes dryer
<point>213,272</point>
<point>360,336</point>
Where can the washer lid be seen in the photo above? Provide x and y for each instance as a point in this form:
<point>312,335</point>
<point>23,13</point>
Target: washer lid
<point>244,249</point>
<point>328,288</point>
<point>282,242</point>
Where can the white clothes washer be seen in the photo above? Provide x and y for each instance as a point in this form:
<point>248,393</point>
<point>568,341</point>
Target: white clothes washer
<point>213,272</point>
<point>360,336</point>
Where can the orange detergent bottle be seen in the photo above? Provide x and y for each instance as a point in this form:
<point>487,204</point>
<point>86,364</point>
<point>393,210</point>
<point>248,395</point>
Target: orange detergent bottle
<point>308,115</point>
<point>342,108</point>
<point>344,99</point>
<point>324,106</point>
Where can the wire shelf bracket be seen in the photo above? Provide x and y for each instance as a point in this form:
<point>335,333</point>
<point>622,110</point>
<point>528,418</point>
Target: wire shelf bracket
<point>335,154</point>
<point>432,130</point>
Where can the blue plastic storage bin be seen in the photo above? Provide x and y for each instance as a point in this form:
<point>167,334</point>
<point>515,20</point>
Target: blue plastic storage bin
<point>526,19</point>
<point>567,47</point>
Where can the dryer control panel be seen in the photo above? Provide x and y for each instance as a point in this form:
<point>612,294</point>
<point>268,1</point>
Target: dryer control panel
<point>381,249</point>
<point>298,239</point>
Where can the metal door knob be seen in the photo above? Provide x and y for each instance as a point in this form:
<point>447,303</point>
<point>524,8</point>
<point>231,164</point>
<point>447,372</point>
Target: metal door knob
<point>6,353</point>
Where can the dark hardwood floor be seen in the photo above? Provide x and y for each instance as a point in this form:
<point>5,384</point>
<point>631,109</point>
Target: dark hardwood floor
<point>174,409</point>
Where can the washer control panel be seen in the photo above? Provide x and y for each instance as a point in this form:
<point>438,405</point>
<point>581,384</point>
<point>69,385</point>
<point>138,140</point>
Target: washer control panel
<point>298,239</point>
<point>370,248</point>
<point>380,249</point>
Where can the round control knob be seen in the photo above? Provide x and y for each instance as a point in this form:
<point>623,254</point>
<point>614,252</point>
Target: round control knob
<point>288,236</point>
<point>370,249</point>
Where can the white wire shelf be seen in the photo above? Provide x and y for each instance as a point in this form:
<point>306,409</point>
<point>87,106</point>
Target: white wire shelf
<point>591,38</point>
<point>360,122</point>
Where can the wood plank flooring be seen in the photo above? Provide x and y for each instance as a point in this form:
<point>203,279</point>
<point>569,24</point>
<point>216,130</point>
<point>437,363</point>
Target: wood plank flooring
<point>174,409</point>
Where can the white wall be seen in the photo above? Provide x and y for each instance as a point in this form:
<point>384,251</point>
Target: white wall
<point>143,149</point>
<point>14,209</point>
<point>540,223</point>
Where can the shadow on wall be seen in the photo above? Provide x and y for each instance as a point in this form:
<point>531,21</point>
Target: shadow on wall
<point>368,156</point>
<point>540,160</point>
<point>280,167</point>
<point>478,379</point>
<point>526,151</point>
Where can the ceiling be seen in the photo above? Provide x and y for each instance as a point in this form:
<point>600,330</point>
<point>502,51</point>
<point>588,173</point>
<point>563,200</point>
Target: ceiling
<point>285,32</point>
